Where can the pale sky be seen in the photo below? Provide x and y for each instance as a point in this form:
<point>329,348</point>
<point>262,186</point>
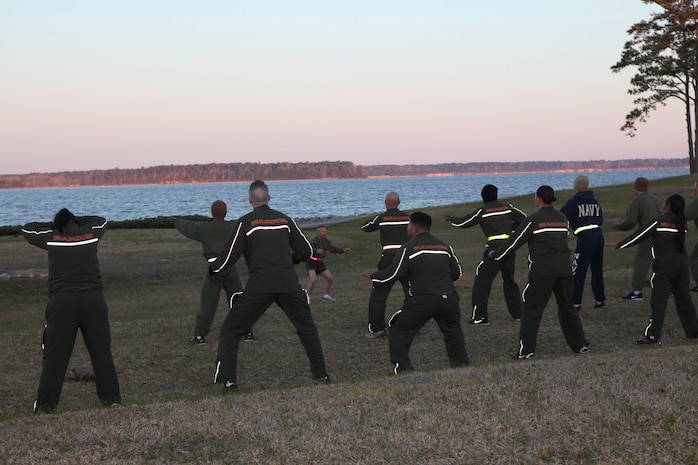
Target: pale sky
<point>97,84</point>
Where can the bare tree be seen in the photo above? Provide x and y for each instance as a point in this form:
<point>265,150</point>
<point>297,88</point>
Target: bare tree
<point>664,51</point>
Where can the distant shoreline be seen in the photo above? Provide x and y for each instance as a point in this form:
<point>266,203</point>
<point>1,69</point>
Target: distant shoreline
<point>215,173</point>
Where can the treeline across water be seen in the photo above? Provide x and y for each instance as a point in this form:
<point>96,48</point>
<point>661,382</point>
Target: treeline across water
<point>231,172</point>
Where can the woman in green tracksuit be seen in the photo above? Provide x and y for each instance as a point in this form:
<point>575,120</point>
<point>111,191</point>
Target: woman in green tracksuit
<point>75,300</point>
<point>550,271</point>
<point>667,235</point>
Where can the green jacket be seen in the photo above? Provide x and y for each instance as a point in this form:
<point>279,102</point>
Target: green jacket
<point>326,246</point>
<point>269,241</point>
<point>642,210</point>
<point>496,219</point>
<point>663,232</point>
<point>429,265</point>
<point>691,211</point>
<point>545,232</point>
<point>213,235</point>
<point>72,253</point>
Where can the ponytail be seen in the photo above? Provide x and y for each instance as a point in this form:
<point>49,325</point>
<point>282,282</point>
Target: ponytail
<point>677,205</point>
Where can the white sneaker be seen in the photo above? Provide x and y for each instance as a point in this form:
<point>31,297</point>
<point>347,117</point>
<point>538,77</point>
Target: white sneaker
<point>328,298</point>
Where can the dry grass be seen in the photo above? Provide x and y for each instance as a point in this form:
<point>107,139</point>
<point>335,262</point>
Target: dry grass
<point>619,404</point>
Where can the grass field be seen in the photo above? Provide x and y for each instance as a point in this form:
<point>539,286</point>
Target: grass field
<point>620,404</point>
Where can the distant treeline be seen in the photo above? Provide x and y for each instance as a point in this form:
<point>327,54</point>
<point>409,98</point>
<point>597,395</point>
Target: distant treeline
<point>230,172</point>
<point>524,166</point>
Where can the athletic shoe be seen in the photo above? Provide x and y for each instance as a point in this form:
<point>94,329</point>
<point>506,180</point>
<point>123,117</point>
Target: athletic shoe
<point>382,334</point>
<point>249,337</point>
<point>578,307</point>
<point>694,289</point>
<point>647,340</point>
<point>196,340</point>
<point>523,356</point>
<point>600,305</point>
<point>328,298</point>
<point>479,321</point>
<point>633,296</point>
<point>229,386</point>
<point>583,350</point>
<point>324,380</point>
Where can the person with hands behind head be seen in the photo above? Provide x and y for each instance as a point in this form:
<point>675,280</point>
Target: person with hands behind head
<point>75,300</point>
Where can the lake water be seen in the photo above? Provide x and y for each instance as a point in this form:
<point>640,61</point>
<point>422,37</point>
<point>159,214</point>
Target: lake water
<point>299,199</point>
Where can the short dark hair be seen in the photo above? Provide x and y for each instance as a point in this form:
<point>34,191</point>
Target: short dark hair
<point>641,184</point>
<point>63,217</point>
<point>546,194</point>
<point>489,193</point>
<point>421,219</point>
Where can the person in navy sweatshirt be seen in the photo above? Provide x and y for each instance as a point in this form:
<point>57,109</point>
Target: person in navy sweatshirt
<point>586,217</point>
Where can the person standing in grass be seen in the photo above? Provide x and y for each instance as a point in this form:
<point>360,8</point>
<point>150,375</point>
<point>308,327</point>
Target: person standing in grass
<point>586,217</point>
<point>431,267</point>
<point>641,211</point>
<point>392,226</point>
<point>316,264</point>
<point>692,215</point>
<point>497,221</point>
<point>550,271</point>
<point>213,236</point>
<point>75,300</point>
<point>270,242</point>
<point>666,235</point>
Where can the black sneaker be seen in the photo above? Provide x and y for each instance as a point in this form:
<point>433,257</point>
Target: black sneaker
<point>229,386</point>
<point>479,321</point>
<point>196,340</point>
<point>523,356</point>
<point>633,296</point>
<point>693,289</point>
<point>600,304</point>
<point>249,337</point>
<point>583,350</point>
<point>648,340</point>
<point>324,380</point>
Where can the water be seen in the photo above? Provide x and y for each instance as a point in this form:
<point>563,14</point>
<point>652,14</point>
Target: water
<point>299,199</point>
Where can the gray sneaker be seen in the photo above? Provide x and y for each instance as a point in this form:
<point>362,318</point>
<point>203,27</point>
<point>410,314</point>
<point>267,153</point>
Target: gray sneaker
<point>382,334</point>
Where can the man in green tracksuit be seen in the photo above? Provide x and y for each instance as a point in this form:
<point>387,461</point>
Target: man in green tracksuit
<point>316,265</point>
<point>430,266</point>
<point>550,271</point>
<point>270,242</point>
<point>75,300</point>
<point>497,220</point>
<point>643,208</point>
<point>213,236</point>
<point>392,228</point>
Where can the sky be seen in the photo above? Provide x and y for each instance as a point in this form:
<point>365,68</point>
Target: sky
<point>88,84</point>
